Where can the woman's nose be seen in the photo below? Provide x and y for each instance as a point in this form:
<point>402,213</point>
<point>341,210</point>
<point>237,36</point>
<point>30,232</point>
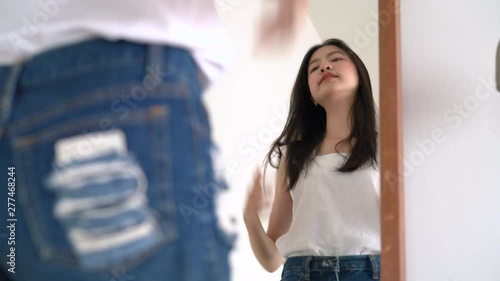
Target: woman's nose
<point>326,67</point>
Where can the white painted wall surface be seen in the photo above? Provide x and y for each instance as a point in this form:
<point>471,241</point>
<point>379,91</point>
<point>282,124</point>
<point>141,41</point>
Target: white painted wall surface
<point>452,139</point>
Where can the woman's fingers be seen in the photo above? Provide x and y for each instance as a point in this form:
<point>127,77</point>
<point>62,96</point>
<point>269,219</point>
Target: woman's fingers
<point>254,201</point>
<point>284,25</point>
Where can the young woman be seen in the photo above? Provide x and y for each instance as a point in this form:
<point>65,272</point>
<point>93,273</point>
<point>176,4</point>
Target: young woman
<point>325,215</point>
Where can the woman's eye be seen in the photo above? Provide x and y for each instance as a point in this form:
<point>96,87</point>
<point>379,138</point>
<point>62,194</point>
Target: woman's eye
<point>313,69</point>
<point>337,59</point>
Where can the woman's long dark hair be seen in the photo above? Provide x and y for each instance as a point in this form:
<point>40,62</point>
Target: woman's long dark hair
<point>305,126</point>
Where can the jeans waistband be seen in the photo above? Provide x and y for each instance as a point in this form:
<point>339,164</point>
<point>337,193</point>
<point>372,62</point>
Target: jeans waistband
<point>81,58</point>
<point>90,55</point>
<point>335,263</point>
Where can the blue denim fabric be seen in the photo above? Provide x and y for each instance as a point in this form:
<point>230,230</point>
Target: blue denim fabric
<point>162,188</point>
<point>343,268</point>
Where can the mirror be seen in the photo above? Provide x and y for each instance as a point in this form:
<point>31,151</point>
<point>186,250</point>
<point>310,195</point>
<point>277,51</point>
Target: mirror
<point>261,85</point>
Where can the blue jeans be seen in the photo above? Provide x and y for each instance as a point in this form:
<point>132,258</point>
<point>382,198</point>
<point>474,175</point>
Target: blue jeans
<point>111,148</point>
<point>343,268</point>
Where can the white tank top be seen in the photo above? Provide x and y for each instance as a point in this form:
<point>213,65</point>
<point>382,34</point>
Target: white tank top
<point>334,213</point>
<point>29,27</point>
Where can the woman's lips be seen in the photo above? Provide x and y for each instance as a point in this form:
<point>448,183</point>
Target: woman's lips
<point>326,76</point>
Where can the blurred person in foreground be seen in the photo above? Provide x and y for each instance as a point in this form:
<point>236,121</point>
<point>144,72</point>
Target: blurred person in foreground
<point>107,140</point>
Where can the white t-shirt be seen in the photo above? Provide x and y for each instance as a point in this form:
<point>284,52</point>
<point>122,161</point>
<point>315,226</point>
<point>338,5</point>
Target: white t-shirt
<point>334,213</point>
<point>29,27</point>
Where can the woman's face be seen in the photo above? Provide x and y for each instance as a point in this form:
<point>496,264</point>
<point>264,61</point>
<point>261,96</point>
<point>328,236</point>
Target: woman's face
<point>331,75</point>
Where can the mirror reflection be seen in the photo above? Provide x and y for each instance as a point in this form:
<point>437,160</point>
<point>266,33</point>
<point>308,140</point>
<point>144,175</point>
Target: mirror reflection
<point>191,139</point>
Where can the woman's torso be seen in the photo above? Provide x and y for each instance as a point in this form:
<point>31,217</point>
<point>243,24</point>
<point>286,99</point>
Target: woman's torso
<point>334,213</point>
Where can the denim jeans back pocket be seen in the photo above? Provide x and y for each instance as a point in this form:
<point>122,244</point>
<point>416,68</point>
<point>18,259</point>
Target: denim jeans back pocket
<point>98,198</point>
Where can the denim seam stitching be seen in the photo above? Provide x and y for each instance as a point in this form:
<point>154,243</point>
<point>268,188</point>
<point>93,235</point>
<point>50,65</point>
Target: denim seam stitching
<point>31,121</point>
<point>84,69</point>
<point>139,115</point>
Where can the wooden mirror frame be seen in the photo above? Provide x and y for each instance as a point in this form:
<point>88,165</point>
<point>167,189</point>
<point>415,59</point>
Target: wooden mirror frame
<point>393,259</point>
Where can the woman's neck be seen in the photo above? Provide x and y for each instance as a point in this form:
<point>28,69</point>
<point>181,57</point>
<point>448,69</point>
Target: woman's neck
<point>337,128</point>
<point>338,123</point>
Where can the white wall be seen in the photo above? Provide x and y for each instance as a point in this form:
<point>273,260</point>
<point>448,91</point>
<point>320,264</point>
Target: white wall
<point>249,105</point>
<point>452,139</point>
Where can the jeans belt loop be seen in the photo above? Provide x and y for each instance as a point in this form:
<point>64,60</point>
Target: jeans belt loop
<point>375,268</point>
